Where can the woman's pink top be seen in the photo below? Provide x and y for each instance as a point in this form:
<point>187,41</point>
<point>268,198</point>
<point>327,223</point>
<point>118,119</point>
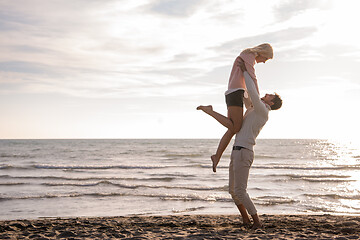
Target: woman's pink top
<point>237,80</point>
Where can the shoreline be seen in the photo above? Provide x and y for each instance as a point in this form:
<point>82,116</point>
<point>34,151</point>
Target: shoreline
<point>183,227</point>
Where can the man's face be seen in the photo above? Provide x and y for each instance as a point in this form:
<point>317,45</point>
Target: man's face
<point>268,98</point>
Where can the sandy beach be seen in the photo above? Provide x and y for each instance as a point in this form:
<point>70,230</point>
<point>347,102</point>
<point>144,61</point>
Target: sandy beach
<point>184,227</point>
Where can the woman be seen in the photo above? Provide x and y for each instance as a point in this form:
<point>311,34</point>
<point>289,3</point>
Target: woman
<point>235,94</point>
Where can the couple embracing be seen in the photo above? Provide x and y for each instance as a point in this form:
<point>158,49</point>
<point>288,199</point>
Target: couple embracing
<point>243,90</point>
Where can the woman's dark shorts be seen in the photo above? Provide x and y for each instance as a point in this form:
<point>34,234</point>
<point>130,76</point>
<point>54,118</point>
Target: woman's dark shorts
<point>235,98</point>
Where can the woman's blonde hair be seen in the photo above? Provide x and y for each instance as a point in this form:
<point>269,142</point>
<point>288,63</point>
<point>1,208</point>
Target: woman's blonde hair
<point>264,50</point>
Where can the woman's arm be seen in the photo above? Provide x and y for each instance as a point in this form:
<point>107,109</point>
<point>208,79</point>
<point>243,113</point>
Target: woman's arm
<point>249,60</point>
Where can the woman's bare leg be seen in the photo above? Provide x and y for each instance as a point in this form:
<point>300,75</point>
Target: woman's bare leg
<point>226,122</point>
<point>233,122</point>
<point>235,115</point>
<point>224,142</point>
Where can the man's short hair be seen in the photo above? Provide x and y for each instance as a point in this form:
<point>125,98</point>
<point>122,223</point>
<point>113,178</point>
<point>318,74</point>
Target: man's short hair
<point>277,102</point>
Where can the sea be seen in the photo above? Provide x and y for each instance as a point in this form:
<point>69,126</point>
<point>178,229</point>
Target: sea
<point>125,177</point>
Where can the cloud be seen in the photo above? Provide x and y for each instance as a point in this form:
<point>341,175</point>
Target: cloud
<point>27,67</point>
<point>175,8</point>
<point>31,77</point>
<point>276,37</point>
<point>119,45</point>
<point>119,56</point>
<point>11,20</point>
<point>325,52</point>
<point>117,49</point>
<point>288,9</point>
<point>30,49</point>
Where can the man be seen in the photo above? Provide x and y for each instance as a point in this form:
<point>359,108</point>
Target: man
<point>242,155</point>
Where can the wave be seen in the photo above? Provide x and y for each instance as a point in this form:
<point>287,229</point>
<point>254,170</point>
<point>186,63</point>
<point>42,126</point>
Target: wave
<point>263,200</point>
<point>177,175</point>
<point>266,201</point>
<point>67,167</point>
<point>323,209</point>
<point>188,209</point>
<point>327,180</point>
<point>273,200</point>
<point>106,181</point>
<point>334,196</point>
<point>13,184</point>
<point>12,155</point>
<point>224,188</point>
<point>178,155</point>
<point>349,167</point>
<point>163,197</point>
<point>187,198</point>
<point>266,157</point>
<point>310,176</point>
<point>313,178</point>
<point>196,165</point>
<point>9,167</point>
<point>61,196</point>
<point>162,179</point>
<point>96,167</point>
<point>90,184</point>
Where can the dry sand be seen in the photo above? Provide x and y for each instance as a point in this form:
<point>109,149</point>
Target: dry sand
<point>184,227</point>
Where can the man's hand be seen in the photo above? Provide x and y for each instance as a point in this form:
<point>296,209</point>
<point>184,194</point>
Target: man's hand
<point>241,64</point>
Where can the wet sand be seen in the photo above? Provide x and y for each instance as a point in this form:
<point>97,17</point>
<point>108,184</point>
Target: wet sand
<point>184,227</point>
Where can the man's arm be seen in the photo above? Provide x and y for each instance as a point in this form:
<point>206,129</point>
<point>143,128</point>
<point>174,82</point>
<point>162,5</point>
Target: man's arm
<point>247,102</point>
<point>254,95</point>
<point>259,106</point>
<point>250,69</point>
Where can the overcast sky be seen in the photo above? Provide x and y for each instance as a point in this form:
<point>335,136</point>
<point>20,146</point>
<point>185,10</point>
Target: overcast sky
<point>139,68</point>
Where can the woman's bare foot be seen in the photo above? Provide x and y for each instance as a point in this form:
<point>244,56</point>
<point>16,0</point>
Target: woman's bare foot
<point>206,109</point>
<point>215,160</point>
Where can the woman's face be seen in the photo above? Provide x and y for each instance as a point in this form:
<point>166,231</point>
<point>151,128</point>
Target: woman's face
<point>261,59</point>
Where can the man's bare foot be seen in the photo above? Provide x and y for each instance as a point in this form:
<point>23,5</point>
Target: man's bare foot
<point>247,224</point>
<point>256,226</point>
<point>206,109</point>
<point>215,162</point>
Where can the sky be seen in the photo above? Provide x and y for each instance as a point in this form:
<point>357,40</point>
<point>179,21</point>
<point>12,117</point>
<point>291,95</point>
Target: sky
<point>139,69</point>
